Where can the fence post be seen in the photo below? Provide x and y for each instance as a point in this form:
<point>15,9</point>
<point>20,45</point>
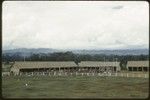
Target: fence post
<point>127,74</point>
<point>65,74</point>
<point>109,74</point>
<point>93,74</point>
<point>87,74</point>
<point>145,75</point>
<point>59,74</point>
<point>82,74</point>
<point>54,73</point>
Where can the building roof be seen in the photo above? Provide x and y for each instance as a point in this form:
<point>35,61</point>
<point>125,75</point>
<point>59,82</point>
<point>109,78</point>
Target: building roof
<point>97,63</point>
<point>138,63</point>
<point>56,64</point>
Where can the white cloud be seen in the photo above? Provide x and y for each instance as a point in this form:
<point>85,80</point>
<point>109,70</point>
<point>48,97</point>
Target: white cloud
<point>75,25</point>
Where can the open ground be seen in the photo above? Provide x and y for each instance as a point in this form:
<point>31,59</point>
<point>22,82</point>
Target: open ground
<point>74,87</point>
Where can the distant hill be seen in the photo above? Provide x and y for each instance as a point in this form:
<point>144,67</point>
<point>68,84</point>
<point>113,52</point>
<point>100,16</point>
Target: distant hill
<point>115,52</point>
<point>32,50</point>
<point>27,52</point>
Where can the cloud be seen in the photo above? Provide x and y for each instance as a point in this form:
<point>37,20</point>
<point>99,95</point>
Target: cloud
<point>75,25</point>
<point>117,7</point>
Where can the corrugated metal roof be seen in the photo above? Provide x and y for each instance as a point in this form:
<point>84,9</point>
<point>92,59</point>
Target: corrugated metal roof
<point>43,64</point>
<point>138,63</point>
<point>97,63</point>
<point>56,64</point>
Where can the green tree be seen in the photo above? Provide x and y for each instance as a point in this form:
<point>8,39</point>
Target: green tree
<point>77,60</point>
<point>123,64</point>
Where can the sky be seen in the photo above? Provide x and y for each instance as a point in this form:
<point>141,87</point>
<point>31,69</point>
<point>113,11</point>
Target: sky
<point>75,24</point>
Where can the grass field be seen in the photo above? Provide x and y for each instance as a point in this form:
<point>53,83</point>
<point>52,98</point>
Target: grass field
<point>74,87</point>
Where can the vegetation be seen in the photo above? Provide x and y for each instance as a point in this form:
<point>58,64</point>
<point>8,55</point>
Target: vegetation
<point>123,64</point>
<point>77,58</point>
<point>74,87</point>
<point>6,67</point>
<point>69,56</point>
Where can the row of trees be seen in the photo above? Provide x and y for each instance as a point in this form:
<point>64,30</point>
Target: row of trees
<point>77,58</point>
<point>69,56</point>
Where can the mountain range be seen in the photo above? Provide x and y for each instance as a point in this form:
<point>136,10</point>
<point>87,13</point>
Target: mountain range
<point>27,51</point>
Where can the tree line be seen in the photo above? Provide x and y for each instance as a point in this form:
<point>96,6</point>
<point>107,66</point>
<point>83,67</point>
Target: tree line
<point>70,56</point>
<point>77,58</point>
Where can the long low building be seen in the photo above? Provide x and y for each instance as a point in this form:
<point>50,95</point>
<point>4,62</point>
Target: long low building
<point>138,65</point>
<point>63,66</point>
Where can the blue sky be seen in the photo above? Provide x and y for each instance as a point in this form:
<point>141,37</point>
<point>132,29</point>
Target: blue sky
<point>75,25</point>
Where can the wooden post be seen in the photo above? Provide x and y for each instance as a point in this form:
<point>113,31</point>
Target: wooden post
<point>87,74</point>
<point>82,74</point>
<point>64,70</point>
<point>38,71</point>
<point>93,74</point>
<point>145,75</point>
<point>49,72</point>
<point>110,74</point>
<point>54,73</point>
<point>142,69</point>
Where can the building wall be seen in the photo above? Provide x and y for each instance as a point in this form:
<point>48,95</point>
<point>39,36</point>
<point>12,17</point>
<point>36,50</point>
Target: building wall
<point>138,65</point>
<point>131,68</point>
<point>46,65</point>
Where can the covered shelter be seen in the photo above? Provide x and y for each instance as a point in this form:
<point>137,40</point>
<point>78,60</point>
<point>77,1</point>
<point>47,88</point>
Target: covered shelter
<point>138,66</point>
<point>61,67</point>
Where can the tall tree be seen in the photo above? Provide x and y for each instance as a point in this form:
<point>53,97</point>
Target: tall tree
<point>77,60</point>
<point>123,64</point>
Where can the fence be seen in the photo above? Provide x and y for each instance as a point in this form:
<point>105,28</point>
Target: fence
<point>5,73</point>
<point>120,74</point>
<point>143,75</point>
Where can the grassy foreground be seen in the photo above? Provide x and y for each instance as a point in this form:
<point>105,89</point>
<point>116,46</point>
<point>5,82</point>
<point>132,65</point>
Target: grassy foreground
<point>74,87</point>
